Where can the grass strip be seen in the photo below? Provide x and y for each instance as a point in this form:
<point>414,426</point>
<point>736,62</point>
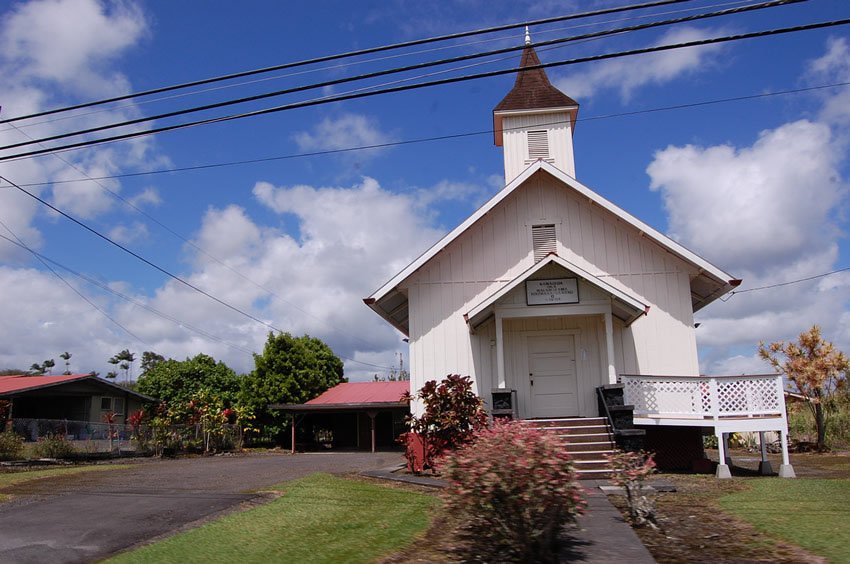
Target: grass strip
<point>8,479</point>
<point>320,518</point>
<point>811,513</point>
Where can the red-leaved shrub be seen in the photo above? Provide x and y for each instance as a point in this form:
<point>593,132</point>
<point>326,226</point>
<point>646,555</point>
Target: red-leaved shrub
<point>453,412</point>
<point>516,488</point>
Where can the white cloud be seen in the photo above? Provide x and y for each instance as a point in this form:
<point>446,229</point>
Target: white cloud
<point>769,213</point>
<point>833,67</point>
<point>744,205</point>
<point>66,40</point>
<point>147,197</point>
<point>348,241</point>
<point>448,191</point>
<point>136,231</point>
<point>345,131</point>
<point>53,52</point>
<point>627,75</point>
<point>56,320</point>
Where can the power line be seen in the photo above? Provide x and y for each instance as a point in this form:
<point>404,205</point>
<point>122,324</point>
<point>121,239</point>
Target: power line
<point>537,33</point>
<point>780,284</point>
<point>161,269</point>
<point>435,138</point>
<point>20,243</point>
<point>349,54</point>
<point>44,260</point>
<point>184,239</point>
<point>340,98</point>
<point>385,72</point>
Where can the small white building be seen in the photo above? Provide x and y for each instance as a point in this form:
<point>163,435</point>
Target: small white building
<point>549,289</point>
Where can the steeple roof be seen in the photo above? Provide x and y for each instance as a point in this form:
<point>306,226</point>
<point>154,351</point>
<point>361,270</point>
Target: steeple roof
<point>532,89</point>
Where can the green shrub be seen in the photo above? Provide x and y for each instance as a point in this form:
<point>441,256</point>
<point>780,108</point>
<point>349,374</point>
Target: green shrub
<point>53,446</point>
<point>515,488</point>
<point>11,445</point>
<point>837,409</point>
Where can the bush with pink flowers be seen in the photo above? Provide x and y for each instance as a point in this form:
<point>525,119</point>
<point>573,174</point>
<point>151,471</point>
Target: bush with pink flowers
<point>516,488</point>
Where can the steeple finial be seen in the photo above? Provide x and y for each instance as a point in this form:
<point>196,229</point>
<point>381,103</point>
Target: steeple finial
<point>527,36</point>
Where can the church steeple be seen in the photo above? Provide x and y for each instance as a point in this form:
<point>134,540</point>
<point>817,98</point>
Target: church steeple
<point>535,120</point>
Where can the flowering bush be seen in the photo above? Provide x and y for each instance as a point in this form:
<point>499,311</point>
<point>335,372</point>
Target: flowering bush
<point>630,471</point>
<point>453,413</point>
<point>516,488</point>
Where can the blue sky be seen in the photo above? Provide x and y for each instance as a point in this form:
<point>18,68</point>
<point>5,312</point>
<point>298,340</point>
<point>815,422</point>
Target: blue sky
<point>758,186</point>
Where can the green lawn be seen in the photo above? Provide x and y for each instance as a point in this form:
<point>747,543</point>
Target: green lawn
<point>320,518</point>
<point>13,478</point>
<point>811,513</point>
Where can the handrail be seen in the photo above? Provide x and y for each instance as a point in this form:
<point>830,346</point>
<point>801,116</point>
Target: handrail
<point>607,411</point>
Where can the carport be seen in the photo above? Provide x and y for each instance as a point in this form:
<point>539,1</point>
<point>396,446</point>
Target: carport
<point>360,412</point>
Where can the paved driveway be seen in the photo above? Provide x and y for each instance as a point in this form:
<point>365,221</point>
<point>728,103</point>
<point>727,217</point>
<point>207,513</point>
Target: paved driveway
<point>92,515</point>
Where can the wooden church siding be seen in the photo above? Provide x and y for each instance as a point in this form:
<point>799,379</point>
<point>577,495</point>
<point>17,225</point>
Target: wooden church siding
<point>560,141</point>
<point>498,248</point>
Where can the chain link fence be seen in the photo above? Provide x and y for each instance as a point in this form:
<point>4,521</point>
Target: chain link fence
<point>89,437</point>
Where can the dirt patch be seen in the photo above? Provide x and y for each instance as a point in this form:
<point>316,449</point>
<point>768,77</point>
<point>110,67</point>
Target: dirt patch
<point>693,528</point>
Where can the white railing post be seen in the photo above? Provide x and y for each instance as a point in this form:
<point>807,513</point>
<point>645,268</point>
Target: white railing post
<point>713,398</point>
<point>785,469</point>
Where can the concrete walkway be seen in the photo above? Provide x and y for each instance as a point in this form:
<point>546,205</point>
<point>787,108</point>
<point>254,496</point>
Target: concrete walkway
<point>601,535</point>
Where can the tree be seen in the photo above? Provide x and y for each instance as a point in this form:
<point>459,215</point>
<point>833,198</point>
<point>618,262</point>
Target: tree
<point>66,356</point>
<point>177,381</point>
<point>814,367</point>
<point>124,360</point>
<point>150,359</point>
<point>290,370</point>
<point>43,368</point>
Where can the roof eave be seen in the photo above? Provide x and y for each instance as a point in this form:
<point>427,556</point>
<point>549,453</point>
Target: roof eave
<point>293,407</point>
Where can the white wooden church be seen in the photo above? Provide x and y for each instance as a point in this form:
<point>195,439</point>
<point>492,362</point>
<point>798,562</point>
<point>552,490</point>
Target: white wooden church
<point>551,291</point>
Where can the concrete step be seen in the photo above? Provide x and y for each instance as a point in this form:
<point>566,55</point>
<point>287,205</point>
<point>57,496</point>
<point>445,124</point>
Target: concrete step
<point>590,454</point>
<point>582,465</point>
<point>566,422</point>
<point>593,474</point>
<point>588,446</point>
<point>586,438</point>
<point>580,430</point>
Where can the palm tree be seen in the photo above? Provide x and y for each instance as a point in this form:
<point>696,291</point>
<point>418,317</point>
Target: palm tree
<point>66,356</point>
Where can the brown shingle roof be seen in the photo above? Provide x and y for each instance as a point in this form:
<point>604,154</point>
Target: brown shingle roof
<point>532,89</point>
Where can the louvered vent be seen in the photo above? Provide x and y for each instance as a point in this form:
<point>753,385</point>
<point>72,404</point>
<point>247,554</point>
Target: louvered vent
<point>538,144</point>
<point>543,241</point>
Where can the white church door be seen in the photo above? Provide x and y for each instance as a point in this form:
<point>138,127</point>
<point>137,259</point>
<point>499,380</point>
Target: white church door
<point>553,381</point>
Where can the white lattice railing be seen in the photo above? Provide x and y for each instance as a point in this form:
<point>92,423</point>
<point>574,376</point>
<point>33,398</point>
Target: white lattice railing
<point>704,396</point>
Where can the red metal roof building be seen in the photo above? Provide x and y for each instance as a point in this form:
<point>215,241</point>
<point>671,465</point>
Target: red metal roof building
<point>347,410</point>
<point>367,394</point>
